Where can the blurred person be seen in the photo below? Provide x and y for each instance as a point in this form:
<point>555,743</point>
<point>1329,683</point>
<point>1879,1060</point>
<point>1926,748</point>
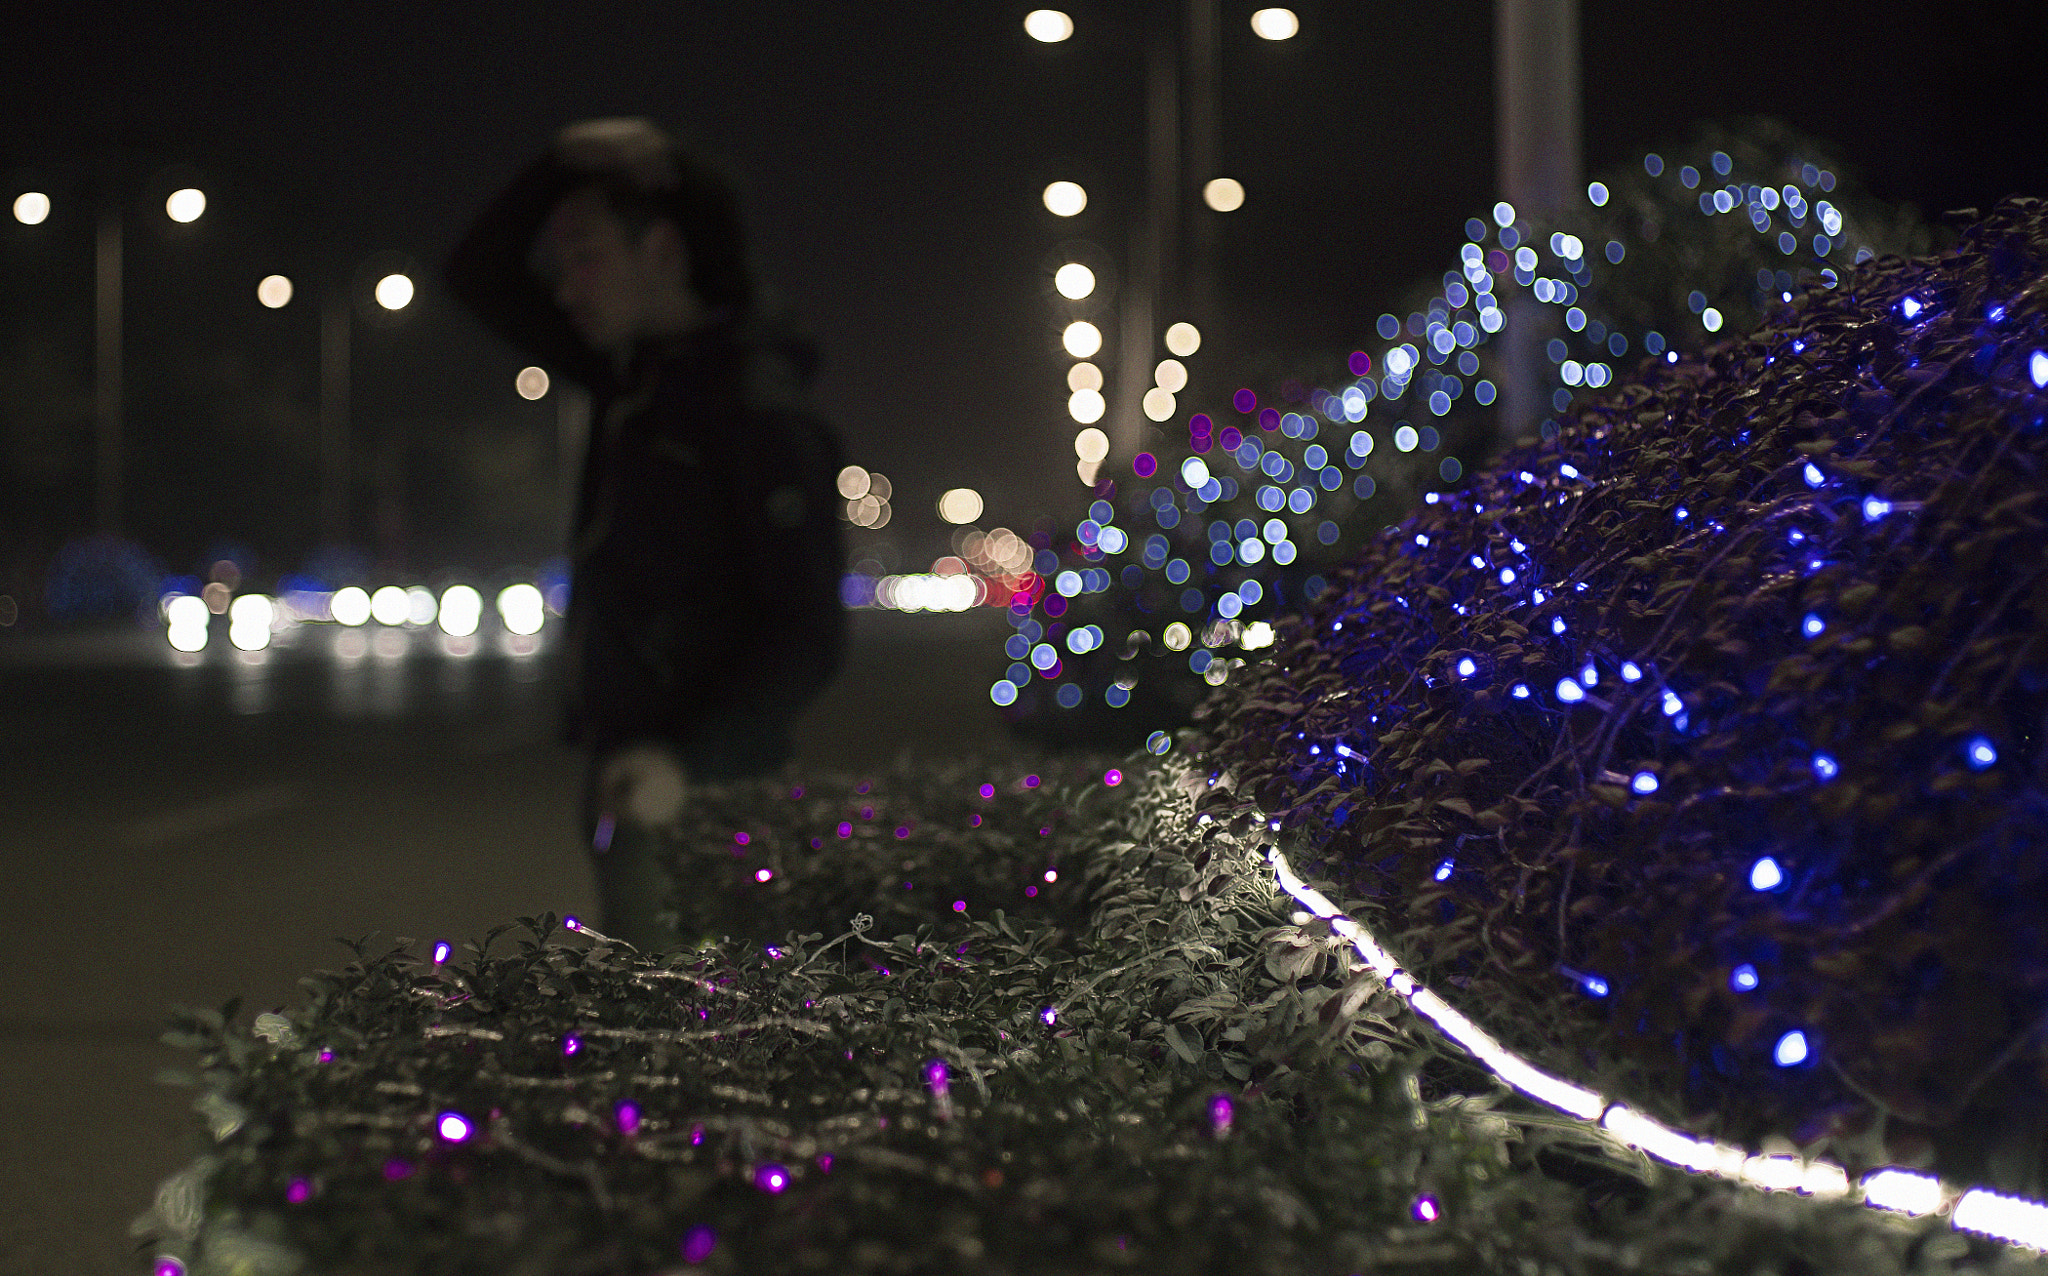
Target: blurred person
<point>704,608</point>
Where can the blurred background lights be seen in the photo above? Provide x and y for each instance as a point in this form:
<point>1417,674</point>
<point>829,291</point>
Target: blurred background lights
<point>420,606</point>
<point>1765,875</point>
<point>1980,753</point>
<point>394,292</point>
<point>1084,376</point>
<point>531,383</point>
<point>185,620</point>
<point>1194,472</point>
<point>31,207</point>
<point>960,505</point>
<point>520,606</point>
<point>1081,339</point>
<point>1091,445</point>
<point>274,291</point>
<point>388,605</point>
<point>1048,26</point>
<point>1743,978</point>
<point>1171,376</point>
<point>1275,24</point>
<point>1087,405</point>
<point>853,482</point>
<point>249,618</point>
<point>1074,281</point>
<point>1158,404</point>
<point>453,1127</point>
<point>1224,194</point>
<point>461,610</point>
<point>1791,1050</point>
<point>2037,368</point>
<point>1183,339</point>
<point>185,205</point>
<point>350,606</point>
<point>1064,199</point>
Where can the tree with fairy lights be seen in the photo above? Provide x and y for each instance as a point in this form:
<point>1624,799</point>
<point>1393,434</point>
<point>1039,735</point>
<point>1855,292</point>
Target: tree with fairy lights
<point>1166,588</point>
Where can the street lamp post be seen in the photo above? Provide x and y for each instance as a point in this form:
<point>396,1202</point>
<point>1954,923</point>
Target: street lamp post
<point>1536,69</point>
<point>32,208</point>
<point>107,370</point>
<point>334,416</point>
<point>1180,142</point>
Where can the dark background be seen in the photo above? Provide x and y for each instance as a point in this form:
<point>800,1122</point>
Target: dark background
<point>891,157</point>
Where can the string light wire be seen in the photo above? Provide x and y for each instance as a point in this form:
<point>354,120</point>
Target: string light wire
<point>2015,1220</point>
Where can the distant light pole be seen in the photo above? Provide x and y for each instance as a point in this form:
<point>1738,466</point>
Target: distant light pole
<point>1536,75</point>
<point>393,292</point>
<point>1180,142</point>
<point>32,208</point>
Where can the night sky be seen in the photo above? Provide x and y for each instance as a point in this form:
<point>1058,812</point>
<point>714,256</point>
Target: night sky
<point>891,158</point>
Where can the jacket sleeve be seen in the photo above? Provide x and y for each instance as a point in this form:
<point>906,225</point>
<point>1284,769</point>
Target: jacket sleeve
<point>488,272</point>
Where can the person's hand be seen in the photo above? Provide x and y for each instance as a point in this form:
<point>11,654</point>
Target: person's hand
<point>642,784</point>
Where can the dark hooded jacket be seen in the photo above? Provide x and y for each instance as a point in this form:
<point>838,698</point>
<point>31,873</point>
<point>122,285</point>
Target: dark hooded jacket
<point>705,546</point>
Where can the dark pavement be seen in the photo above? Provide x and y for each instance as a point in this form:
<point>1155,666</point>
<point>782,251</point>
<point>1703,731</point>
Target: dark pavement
<point>184,830</point>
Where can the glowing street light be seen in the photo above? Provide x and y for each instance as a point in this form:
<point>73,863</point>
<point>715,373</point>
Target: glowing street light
<point>531,383</point>
<point>1082,339</point>
<point>394,292</point>
<point>185,205</point>
<point>960,505</point>
<point>1275,24</point>
<point>1064,199</point>
<point>31,207</point>
<point>1074,281</point>
<point>1224,194</point>
<point>1048,26</point>
<point>275,291</point>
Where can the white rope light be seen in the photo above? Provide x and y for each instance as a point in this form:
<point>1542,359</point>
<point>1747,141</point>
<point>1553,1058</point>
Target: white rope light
<point>2015,1220</point>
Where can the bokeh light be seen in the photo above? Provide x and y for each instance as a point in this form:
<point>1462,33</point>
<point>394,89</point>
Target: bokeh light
<point>960,505</point>
<point>420,605</point>
<point>1183,339</point>
<point>1158,404</point>
<point>1064,199</point>
<point>394,292</point>
<point>1171,376</point>
<point>274,291</point>
<point>461,610</point>
<point>1074,281</point>
<point>1275,24</point>
<point>249,620</point>
<point>185,205</point>
<point>1224,194</point>
<point>1087,405</point>
<point>31,208</point>
<point>1081,339</point>
<point>1084,376</point>
<point>350,606</point>
<point>388,606</point>
<point>853,482</point>
<point>1048,26</point>
<point>1091,445</point>
<point>531,383</point>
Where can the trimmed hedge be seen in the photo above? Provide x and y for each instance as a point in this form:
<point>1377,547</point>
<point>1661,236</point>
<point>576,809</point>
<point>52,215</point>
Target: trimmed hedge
<point>1719,718</point>
<point>1217,1088</point>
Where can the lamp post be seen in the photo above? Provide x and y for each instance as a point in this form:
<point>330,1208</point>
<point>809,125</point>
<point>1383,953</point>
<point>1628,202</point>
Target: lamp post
<point>393,292</point>
<point>32,208</point>
<point>1180,143</point>
<point>1536,71</point>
